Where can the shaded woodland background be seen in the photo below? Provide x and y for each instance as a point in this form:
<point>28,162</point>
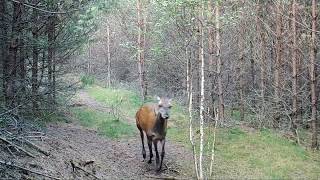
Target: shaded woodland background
<point>255,62</point>
<point>267,50</point>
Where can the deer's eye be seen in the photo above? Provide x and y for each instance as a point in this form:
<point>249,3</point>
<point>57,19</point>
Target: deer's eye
<point>160,105</point>
<point>170,107</point>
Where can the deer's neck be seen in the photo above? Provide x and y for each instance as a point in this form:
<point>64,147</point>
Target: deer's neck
<point>160,126</point>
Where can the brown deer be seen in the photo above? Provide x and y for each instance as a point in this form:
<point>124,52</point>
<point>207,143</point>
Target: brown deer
<point>152,119</point>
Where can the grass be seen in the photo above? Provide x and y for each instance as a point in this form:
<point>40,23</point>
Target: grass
<point>126,101</point>
<point>105,123</point>
<point>265,153</point>
<point>240,153</point>
<point>44,117</point>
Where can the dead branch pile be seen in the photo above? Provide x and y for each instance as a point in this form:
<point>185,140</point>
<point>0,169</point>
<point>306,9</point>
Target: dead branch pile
<point>18,139</point>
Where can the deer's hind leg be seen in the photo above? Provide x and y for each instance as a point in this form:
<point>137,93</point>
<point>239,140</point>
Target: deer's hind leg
<point>142,141</point>
<point>150,148</point>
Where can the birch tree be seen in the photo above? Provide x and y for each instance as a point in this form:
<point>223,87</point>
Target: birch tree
<point>201,39</point>
<point>108,56</point>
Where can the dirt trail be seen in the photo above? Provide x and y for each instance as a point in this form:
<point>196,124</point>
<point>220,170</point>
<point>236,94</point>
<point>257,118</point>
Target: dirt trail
<point>106,158</point>
<point>83,98</point>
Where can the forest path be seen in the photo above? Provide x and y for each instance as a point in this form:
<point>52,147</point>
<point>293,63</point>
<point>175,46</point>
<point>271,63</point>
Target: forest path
<point>112,158</point>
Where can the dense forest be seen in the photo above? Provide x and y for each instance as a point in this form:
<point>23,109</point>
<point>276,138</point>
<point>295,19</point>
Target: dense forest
<point>226,63</point>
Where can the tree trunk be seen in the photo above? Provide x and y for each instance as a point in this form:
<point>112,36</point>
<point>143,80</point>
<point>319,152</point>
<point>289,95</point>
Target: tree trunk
<point>201,91</point>
<point>278,64</point>
<point>52,55</point>
<point>4,47</point>
<point>278,52</point>
<point>253,76</point>
<point>141,44</point>
<point>22,56</point>
<point>108,56</point>
<point>35,58</point>
<point>50,30</point>
<point>90,59</point>
<point>144,52</point>
<point>190,109</point>
<point>211,58</point>
<point>261,48</point>
<point>219,64</point>
<point>313,75</point>
<point>294,73</point>
<point>241,47</point>
<point>10,86</point>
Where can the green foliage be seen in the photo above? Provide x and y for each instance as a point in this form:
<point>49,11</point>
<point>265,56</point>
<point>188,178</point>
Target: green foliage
<point>127,102</point>
<point>48,116</point>
<point>87,80</point>
<point>41,119</point>
<point>105,123</point>
<point>234,114</point>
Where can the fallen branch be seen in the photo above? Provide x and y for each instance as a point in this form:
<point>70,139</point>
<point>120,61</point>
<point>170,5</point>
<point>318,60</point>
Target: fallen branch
<point>29,170</point>
<point>88,163</point>
<point>17,147</point>
<point>36,147</point>
<point>74,166</point>
<point>10,151</point>
<point>9,111</point>
<point>35,137</point>
<point>170,169</point>
<point>76,105</point>
<point>36,132</point>
<point>162,177</point>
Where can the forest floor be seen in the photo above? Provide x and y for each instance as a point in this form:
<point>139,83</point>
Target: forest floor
<point>96,156</point>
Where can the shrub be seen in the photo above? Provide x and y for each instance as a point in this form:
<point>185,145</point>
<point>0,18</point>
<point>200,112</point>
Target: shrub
<point>87,80</point>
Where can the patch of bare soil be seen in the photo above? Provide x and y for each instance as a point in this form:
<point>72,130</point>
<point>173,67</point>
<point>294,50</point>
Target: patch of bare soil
<point>76,152</point>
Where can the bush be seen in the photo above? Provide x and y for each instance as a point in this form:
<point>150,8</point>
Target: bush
<point>87,80</point>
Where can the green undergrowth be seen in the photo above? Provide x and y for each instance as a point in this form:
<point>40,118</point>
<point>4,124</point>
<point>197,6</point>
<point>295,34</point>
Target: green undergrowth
<point>264,154</point>
<point>105,123</point>
<point>125,101</point>
<point>42,118</point>
<point>87,80</point>
<point>260,154</point>
<point>128,102</point>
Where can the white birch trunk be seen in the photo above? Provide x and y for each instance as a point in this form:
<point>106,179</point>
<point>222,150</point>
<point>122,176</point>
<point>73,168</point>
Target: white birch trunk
<point>108,56</point>
<point>216,118</point>
<point>201,93</point>
<point>190,109</point>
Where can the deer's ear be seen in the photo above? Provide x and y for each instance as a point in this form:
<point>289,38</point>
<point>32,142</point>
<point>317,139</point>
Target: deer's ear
<point>170,100</point>
<point>158,98</point>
